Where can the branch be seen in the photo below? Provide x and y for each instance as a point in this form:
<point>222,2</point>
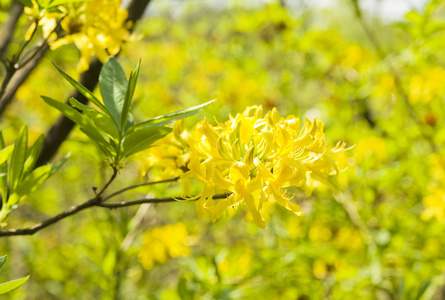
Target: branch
<point>96,201</point>
<point>152,200</point>
<point>60,130</point>
<point>131,187</point>
<point>19,77</point>
<point>8,27</point>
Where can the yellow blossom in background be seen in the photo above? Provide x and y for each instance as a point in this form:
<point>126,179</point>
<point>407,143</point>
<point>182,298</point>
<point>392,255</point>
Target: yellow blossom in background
<point>40,17</point>
<point>427,85</point>
<point>374,147</point>
<point>254,157</point>
<point>97,28</point>
<point>434,205</point>
<point>162,243</point>
<point>169,156</point>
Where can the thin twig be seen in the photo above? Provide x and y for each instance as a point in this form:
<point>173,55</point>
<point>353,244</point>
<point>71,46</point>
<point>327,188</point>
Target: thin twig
<point>90,203</point>
<point>131,187</point>
<point>8,27</point>
<point>154,200</point>
<point>98,195</point>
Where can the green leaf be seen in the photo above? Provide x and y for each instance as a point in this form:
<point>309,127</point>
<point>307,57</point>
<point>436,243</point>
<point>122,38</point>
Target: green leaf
<point>83,90</point>
<point>55,3</point>
<point>27,3</point>
<point>18,158</point>
<point>99,119</point>
<point>113,87</point>
<point>85,125</point>
<point>129,94</point>
<point>12,285</point>
<point>33,154</point>
<point>143,138</point>
<point>32,181</point>
<point>423,286</point>
<point>170,117</point>
<point>414,17</point>
<point>58,165</point>
<point>106,148</point>
<point>2,260</point>
<point>5,153</point>
<point>4,172</point>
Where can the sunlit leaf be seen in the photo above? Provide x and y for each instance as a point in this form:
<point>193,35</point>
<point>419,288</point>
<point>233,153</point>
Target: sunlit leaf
<point>129,94</point>
<point>83,90</point>
<point>170,117</point>
<point>101,120</point>
<point>12,285</point>
<point>18,158</point>
<point>32,155</point>
<point>113,86</point>
<point>143,138</point>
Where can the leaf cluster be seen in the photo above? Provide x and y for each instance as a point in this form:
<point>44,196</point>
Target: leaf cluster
<point>110,126</point>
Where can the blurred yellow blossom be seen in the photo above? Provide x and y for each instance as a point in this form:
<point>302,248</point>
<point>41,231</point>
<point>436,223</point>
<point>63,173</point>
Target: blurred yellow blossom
<point>373,146</point>
<point>97,27</point>
<point>162,243</point>
<point>434,205</point>
<point>427,85</point>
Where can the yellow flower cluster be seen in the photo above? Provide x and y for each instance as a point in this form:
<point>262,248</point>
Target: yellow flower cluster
<point>97,27</point>
<point>434,201</point>
<point>162,243</point>
<point>256,157</point>
<point>169,156</point>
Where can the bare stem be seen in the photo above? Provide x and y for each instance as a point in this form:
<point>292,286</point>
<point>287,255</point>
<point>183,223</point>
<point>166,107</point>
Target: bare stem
<point>131,187</point>
<point>90,203</point>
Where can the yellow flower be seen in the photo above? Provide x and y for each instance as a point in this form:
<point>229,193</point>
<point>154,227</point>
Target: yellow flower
<point>163,243</point>
<point>97,27</point>
<point>435,205</point>
<point>254,157</point>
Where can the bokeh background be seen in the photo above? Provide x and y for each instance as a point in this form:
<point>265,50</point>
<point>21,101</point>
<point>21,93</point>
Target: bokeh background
<point>373,71</point>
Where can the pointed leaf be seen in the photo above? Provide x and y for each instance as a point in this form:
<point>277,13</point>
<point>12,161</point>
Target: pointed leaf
<point>56,3</point>
<point>27,3</point>
<point>113,87</point>
<point>18,158</point>
<point>83,90</point>
<point>99,119</point>
<point>59,164</point>
<point>33,181</point>
<point>143,138</point>
<point>32,155</point>
<point>103,145</point>
<point>2,260</point>
<point>5,153</point>
<point>12,285</point>
<point>129,94</point>
<point>4,171</point>
<point>423,286</point>
<point>85,125</point>
<point>168,118</point>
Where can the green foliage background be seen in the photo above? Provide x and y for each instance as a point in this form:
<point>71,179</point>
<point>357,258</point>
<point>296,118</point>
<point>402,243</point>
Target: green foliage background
<point>381,90</point>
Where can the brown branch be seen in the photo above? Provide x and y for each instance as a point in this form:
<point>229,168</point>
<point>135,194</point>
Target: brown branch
<point>19,77</point>
<point>71,211</point>
<point>60,130</point>
<point>96,201</point>
<point>8,27</point>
